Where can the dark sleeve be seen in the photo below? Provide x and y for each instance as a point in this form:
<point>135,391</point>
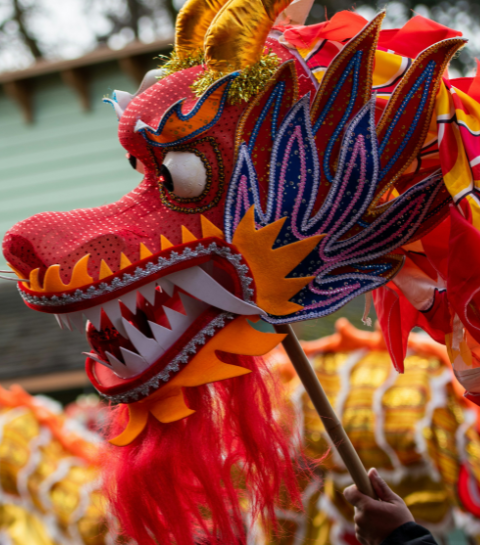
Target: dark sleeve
<point>410,533</point>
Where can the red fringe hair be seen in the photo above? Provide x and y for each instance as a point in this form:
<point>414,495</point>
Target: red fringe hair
<point>182,482</point>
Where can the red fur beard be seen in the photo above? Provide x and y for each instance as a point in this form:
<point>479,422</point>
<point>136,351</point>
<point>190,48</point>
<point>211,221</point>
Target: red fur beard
<point>183,482</point>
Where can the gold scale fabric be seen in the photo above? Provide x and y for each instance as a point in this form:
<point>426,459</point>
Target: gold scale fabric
<point>413,427</point>
<point>49,495</point>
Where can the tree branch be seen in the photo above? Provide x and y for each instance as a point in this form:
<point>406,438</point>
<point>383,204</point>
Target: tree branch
<point>30,41</point>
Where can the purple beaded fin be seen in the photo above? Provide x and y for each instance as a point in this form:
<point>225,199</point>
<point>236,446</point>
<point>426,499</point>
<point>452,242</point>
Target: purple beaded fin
<point>346,87</point>
<point>344,264</point>
<point>259,124</point>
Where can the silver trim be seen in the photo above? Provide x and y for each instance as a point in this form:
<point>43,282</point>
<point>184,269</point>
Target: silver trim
<point>191,348</point>
<point>150,268</point>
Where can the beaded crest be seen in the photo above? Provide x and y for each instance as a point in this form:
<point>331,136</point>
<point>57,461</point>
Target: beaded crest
<point>323,183</point>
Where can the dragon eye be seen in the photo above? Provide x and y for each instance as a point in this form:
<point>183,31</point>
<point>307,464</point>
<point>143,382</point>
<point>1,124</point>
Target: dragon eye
<point>183,173</point>
<point>166,178</point>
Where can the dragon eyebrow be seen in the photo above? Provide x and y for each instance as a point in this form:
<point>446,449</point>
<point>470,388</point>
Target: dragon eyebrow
<point>176,127</point>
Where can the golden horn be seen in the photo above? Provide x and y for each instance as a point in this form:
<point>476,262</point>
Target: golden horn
<point>237,35</point>
<point>192,24</point>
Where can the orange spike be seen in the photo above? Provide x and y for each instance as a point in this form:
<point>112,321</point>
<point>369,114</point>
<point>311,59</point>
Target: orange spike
<point>104,270</point>
<point>269,266</point>
<point>165,243</point>
<point>52,281</point>
<point>210,230</point>
<point>144,251</point>
<point>80,276</point>
<point>124,261</point>
<point>187,236</point>
<point>138,417</point>
<point>34,281</point>
<point>173,408</point>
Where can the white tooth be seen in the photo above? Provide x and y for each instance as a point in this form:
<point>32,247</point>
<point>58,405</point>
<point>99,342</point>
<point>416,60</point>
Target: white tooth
<point>76,319</point>
<point>199,284</point>
<point>119,368</point>
<point>59,321</point>
<point>112,310</point>
<point>135,366</point>
<point>166,286</point>
<point>94,315</point>
<point>97,359</point>
<point>162,335</point>
<point>193,307</point>
<point>148,292</point>
<point>66,321</point>
<point>135,363</point>
<point>130,301</point>
<point>178,321</point>
<point>148,348</point>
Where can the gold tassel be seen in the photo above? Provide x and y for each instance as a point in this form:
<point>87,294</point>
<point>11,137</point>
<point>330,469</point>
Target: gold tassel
<point>236,37</point>
<point>192,24</point>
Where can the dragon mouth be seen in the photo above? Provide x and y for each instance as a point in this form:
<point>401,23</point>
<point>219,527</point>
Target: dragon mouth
<point>152,332</point>
<point>146,322</point>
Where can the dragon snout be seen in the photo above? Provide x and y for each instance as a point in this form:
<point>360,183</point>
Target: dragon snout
<point>65,238</point>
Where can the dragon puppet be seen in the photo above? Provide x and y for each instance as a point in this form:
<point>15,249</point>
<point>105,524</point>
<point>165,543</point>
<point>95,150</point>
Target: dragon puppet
<point>287,170</point>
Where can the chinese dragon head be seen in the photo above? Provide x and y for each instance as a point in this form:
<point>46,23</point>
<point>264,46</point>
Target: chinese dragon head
<point>279,183</point>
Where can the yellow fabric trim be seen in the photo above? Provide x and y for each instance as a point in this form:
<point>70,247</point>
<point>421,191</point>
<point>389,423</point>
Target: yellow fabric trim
<point>165,243</point>
<point>470,115</point>
<point>144,251</point>
<point>187,236</point>
<point>443,102</point>
<point>475,209</point>
<point>460,176</point>
<point>387,65</point>
<point>210,230</point>
<point>104,270</point>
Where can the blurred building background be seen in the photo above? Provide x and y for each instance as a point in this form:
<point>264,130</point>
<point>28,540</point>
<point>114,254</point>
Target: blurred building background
<point>58,144</point>
<point>59,151</point>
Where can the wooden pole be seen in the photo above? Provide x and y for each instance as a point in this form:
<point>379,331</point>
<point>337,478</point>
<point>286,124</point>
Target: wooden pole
<point>320,401</point>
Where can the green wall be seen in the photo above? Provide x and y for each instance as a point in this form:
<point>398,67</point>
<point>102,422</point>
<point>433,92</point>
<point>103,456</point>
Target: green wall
<point>67,158</point>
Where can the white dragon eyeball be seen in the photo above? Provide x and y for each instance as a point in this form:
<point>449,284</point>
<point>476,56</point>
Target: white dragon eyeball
<point>187,172</point>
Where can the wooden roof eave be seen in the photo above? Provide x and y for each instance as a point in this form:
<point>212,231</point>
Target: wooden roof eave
<point>18,84</point>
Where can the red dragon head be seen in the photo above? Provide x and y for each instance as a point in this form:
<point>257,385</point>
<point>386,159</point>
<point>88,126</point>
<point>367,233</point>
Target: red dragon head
<point>266,195</point>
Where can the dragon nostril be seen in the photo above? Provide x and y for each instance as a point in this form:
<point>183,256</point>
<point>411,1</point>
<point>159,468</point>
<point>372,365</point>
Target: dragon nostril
<point>21,253</point>
<point>165,178</point>
<point>133,161</point>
